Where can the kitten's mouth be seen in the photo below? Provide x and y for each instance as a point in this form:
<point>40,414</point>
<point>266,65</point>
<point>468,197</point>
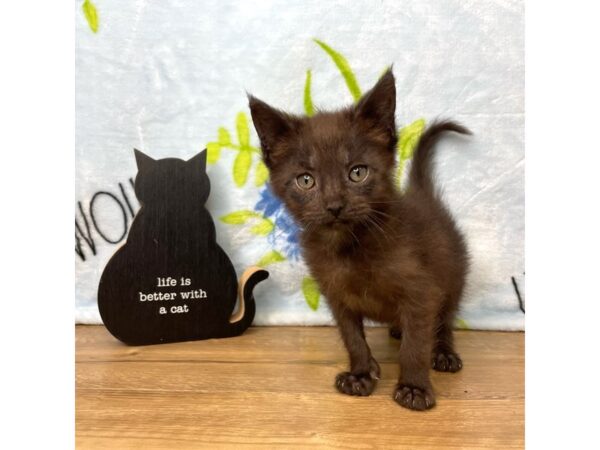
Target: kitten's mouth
<point>338,223</point>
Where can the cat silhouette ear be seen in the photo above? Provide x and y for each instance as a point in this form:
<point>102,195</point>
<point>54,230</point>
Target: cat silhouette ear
<point>378,106</point>
<point>199,161</point>
<point>271,126</point>
<point>143,161</point>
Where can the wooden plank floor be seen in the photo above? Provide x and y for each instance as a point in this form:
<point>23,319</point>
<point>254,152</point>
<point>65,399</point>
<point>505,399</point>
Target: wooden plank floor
<point>273,387</point>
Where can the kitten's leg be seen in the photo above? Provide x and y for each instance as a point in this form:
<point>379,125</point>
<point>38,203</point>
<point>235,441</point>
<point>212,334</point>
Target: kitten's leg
<point>414,390</point>
<point>444,358</point>
<point>364,370</point>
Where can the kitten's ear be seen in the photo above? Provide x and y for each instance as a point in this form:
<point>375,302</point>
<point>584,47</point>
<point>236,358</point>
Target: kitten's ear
<point>271,125</point>
<point>378,106</point>
<point>144,162</point>
<point>198,161</point>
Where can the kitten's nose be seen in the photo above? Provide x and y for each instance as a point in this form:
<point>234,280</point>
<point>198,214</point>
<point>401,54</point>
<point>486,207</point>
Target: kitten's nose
<point>335,209</point>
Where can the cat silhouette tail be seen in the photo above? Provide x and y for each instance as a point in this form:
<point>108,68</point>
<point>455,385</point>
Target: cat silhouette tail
<point>244,316</point>
<point>420,174</point>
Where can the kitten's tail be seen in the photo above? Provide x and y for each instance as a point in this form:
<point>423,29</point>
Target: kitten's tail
<point>420,174</point>
<point>244,316</point>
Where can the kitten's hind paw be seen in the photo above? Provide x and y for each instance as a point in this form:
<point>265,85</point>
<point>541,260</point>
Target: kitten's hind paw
<point>355,384</point>
<point>412,397</point>
<point>446,362</point>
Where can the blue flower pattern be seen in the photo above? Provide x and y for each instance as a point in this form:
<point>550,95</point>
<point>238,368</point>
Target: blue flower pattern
<point>285,235</point>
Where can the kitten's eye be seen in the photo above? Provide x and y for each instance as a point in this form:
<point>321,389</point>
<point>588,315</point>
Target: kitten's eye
<point>305,181</point>
<point>358,173</point>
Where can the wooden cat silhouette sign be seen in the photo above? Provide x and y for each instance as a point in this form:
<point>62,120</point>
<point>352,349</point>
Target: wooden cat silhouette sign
<point>171,281</point>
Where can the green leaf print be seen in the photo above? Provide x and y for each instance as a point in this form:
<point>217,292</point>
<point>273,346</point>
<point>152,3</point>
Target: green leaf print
<point>213,150</point>
<point>91,15</point>
<point>270,258</point>
<point>461,324</point>
<point>311,292</point>
<point>243,133</point>
<point>263,227</point>
<point>261,174</point>
<point>239,217</point>
<point>224,137</point>
<point>409,138</point>
<point>243,160</point>
<point>241,167</point>
<point>308,104</point>
<point>343,67</point>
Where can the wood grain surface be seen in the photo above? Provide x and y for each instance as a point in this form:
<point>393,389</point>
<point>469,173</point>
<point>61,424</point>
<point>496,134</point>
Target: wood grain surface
<point>273,388</point>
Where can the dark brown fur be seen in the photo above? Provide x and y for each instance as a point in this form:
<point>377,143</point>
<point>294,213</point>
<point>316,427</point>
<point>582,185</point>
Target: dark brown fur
<point>375,253</point>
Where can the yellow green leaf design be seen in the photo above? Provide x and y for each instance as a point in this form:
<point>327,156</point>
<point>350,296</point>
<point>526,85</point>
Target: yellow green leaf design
<point>308,104</point>
<point>241,123</point>
<point>239,217</point>
<point>270,258</point>
<point>264,227</point>
<point>243,160</point>
<point>224,137</point>
<point>310,289</point>
<point>91,15</point>
<point>213,150</point>
<point>343,67</point>
<point>384,71</point>
<point>462,324</point>
<point>241,167</point>
<point>261,175</point>
<point>409,137</point>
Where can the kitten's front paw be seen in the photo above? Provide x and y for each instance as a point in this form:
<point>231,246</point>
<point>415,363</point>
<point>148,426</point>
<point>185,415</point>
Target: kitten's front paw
<point>374,369</point>
<point>355,384</point>
<point>446,362</point>
<point>413,397</point>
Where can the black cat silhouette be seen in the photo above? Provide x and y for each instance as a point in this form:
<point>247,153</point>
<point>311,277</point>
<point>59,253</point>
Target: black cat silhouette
<point>171,281</point>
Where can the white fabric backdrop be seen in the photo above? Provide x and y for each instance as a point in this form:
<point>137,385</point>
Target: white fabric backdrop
<point>165,76</point>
